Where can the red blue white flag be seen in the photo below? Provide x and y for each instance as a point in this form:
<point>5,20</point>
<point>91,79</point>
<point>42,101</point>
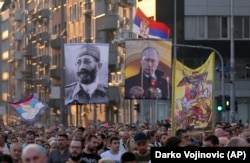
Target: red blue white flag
<point>148,28</point>
<point>29,108</point>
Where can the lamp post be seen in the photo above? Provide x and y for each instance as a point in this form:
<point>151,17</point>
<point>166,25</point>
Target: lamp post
<point>232,64</point>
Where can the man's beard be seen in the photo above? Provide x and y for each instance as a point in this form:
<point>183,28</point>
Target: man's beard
<point>75,157</point>
<point>87,76</point>
<point>100,146</point>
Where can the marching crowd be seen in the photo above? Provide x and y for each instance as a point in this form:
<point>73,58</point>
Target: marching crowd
<point>101,143</point>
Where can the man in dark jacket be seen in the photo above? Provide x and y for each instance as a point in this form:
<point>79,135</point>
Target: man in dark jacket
<point>149,82</point>
<point>88,89</point>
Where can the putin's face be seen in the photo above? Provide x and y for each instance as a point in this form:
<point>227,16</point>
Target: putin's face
<point>149,62</point>
<point>87,68</point>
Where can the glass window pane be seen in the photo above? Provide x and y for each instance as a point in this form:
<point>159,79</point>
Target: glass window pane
<point>213,27</point>
<point>201,27</point>
<point>246,27</point>
<point>224,27</point>
<point>238,27</point>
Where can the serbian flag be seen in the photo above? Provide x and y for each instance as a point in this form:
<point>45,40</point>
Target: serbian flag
<point>148,28</point>
<point>29,108</point>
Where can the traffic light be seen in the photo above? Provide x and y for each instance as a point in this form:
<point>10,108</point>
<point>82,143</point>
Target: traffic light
<point>227,103</point>
<point>137,108</point>
<point>219,104</point>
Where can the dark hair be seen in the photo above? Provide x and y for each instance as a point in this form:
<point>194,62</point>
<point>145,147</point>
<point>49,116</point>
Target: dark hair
<point>31,132</point>
<point>173,141</point>
<point>102,136</point>
<point>89,137</point>
<point>179,132</point>
<point>63,135</point>
<point>6,158</point>
<point>213,139</point>
<point>113,138</point>
<point>128,157</point>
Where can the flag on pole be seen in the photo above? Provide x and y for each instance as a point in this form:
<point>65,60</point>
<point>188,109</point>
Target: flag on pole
<point>193,96</point>
<point>29,108</point>
<point>148,28</point>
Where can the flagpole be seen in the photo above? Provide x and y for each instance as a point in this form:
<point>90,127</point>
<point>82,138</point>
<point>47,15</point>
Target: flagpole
<point>232,63</point>
<point>175,37</point>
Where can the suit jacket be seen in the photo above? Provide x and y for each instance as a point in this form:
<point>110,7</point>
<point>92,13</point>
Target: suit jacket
<point>74,93</point>
<point>161,83</point>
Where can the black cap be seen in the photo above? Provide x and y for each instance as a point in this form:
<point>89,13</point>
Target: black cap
<point>140,137</point>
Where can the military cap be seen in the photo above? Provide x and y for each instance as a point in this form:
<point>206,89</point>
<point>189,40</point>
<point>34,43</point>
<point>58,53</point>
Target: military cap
<point>88,49</point>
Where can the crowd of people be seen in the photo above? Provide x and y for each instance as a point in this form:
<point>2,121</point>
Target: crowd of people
<point>102,143</point>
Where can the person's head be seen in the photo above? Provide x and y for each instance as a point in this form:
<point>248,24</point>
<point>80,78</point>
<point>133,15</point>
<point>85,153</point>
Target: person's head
<point>223,141</point>
<point>91,143</point>
<point>62,141</point>
<point>149,60</point>
<point>219,132</point>
<point>163,138</point>
<point>211,141</point>
<point>125,136</point>
<point>173,141</point>
<point>130,144</point>
<point>75,150</point>
<point>30,137</point>
<point>34,153</point>
<point>183,135</point>
<point>237,142</point>
<point>114,143</point>
<point>128,157</point>
<point>6,159</point>
<point>141,142</point>
<point>88,63</point>
<point>15,151</point>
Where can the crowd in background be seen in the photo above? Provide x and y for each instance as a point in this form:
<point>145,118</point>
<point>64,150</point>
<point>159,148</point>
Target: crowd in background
<point>108,143</point>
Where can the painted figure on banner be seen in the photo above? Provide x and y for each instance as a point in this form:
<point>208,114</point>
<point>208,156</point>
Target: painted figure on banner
<point>88,88</point>
<point>149,82</point>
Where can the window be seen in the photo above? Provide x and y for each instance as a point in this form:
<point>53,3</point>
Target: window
<point>246,27</point>
<point>213,27</point>
<point>201,27</point>
<point>224,27</point>
<point>238,27</point>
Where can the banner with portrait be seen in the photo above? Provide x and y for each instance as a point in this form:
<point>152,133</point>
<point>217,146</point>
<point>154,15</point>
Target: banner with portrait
<point>193,96</point>
<point>86,73</point>
<point>148,69</point>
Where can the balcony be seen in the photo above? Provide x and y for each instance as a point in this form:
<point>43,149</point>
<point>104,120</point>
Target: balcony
<point>125,3</point>
<point>18,15</point>
<point>43,60</point>
<point>26,75</point>
<point>29,51</point>
<point>18,55</point>
<point>18,36</point>
<point>56,41</point>
<point>43,37</point>
<point>106,22</point>
<point>44,82</point>
<point>43,15</point>
<point>55,72</point>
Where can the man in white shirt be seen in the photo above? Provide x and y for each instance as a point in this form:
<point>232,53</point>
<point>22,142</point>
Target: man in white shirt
<point>114,152</point>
